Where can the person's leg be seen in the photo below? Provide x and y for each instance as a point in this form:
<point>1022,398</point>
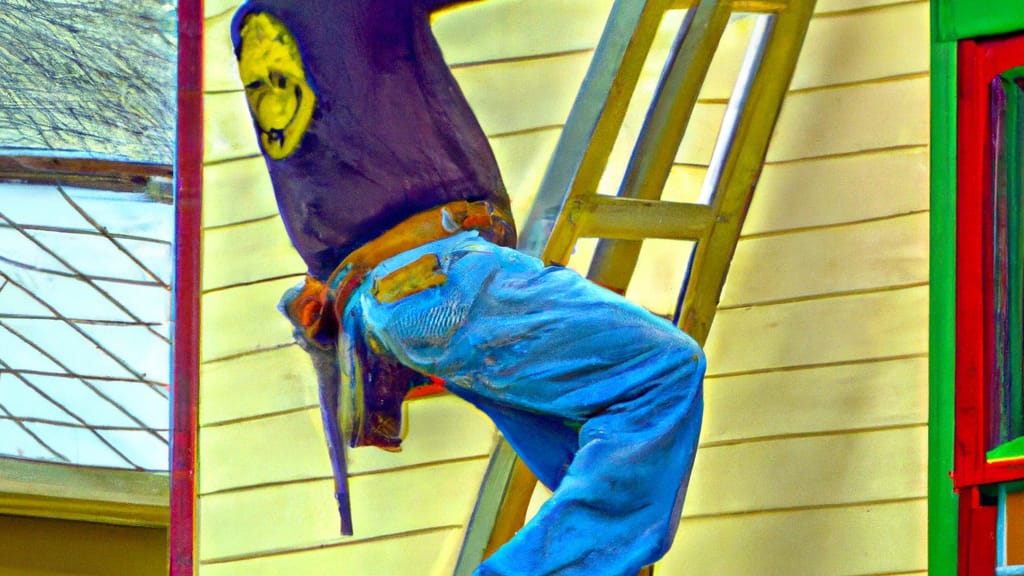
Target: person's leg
<point>617,508</point>
<point>517,338</point>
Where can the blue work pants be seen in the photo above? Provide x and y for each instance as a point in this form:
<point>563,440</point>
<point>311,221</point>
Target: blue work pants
<point>599,397</point>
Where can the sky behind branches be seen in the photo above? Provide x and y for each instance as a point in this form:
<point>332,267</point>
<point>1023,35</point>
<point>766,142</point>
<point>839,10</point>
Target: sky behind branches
<point>88,78</point>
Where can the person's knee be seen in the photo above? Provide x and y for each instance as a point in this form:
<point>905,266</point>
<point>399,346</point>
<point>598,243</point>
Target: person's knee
<point>685,363</point>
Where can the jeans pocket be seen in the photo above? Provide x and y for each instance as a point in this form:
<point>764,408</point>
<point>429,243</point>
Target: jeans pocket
<point>420,274</point>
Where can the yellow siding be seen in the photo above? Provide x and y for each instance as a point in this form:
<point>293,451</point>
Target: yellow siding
<point>821,261</point>
<point>292,516</point>
<point>431,552</point>
<point>852,119</point>
<point>847,47</point>
<point>879,538</point>
<point>289,517</point>
<point>813,448</point>
<point>836,6</point>
<point>836,190</point>
<point>47,547</point>
<point>498,92</point>
<point>829,330</point>
<point>240,191</point>
<point>808,401</point>
<point>271,381</point>
<point>296,437</point>
<point>244,320</point>
<point>825,470</point>
<point>504,29</point>
<point>248,252</point>
<point>523,159</point>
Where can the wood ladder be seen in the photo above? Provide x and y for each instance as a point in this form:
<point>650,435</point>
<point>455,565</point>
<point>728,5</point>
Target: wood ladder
<point>568,207</point>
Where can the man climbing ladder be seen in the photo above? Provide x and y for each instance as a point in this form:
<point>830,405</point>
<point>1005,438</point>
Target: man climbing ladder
<point>390,193</point>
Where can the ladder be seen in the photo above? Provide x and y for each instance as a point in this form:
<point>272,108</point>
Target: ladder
<point>568,207</point>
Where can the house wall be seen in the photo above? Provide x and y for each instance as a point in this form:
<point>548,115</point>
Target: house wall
<point>54,547</point>
<point>814,450</point>
<point>813,453</point>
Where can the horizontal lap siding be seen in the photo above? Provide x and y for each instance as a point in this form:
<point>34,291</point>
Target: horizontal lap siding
<point>814,449</point>
<point>816,400</point>
<point>432,552</point>
<point>825,470</point>
<point>264,382</point>
<point>838,190</point>
<point>886,537</point>
<point>842,329</point>
<point>821,261</point>
<point>441,429</point>
<point>291,516</point>
<point>240,192</point>
<point>524,159</point>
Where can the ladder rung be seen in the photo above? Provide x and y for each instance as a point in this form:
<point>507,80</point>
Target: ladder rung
<point>758,6</point>
<point>631,219</point>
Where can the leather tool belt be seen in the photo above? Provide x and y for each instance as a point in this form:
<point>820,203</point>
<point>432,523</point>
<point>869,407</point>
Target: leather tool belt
<point>319,305</point>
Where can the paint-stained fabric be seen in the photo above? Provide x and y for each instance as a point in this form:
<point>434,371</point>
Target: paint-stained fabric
<point>391,136</point>
<point>601,398</point>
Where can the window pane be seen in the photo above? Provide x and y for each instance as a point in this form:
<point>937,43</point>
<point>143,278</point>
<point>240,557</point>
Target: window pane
<point>1008,268</point>
<point>84,316</point>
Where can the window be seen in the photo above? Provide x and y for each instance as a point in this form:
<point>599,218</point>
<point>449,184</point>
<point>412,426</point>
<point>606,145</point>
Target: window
<point>989,428</point>
<point>87,143</point>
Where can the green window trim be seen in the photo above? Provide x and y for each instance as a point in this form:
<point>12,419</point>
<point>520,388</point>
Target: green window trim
<point>957,19</point>
<point>951,20</point>
<point>1011,450</point>
<point>943,502</point>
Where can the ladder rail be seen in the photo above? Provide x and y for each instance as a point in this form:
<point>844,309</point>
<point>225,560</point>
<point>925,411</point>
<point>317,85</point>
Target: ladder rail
<point>596,117</point>
<point>742,168</point>
<point>662,131</point>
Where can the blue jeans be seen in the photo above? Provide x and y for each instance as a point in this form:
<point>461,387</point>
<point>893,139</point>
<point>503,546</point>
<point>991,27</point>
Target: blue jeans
<point>599,397</point>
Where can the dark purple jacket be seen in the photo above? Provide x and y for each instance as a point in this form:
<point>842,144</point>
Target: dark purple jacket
<point>392,135</point>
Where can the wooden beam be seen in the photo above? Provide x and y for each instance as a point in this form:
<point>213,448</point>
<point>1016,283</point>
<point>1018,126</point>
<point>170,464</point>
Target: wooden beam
<point>583,149</point>
<point>488,528</point>
<point>629,219</point>
<point>108,496</point>
<point>90,173</point>
<point>187,290</point>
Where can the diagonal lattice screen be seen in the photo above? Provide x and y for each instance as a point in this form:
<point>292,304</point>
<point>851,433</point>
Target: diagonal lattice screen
<point>84,326</point>
<point>85,274</point>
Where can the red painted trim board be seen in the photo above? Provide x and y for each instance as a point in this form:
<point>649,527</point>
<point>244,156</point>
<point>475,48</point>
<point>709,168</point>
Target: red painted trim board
<point>977,555</point>
<point>185,377</point>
